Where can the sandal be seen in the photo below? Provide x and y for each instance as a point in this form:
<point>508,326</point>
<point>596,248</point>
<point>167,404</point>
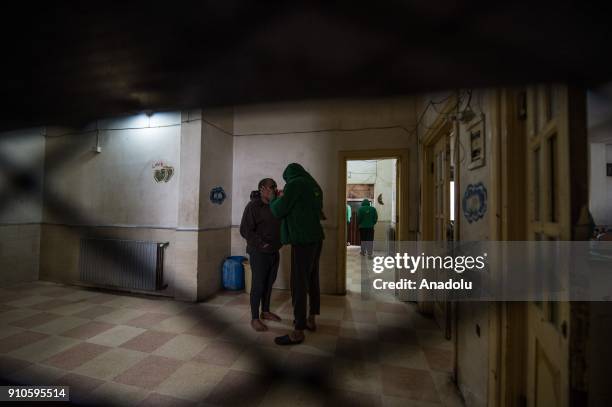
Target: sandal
<point>286,340</point>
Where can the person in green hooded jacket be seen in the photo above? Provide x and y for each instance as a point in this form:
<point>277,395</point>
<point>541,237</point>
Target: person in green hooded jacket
<point>300,208</point>
<point>366,219</point>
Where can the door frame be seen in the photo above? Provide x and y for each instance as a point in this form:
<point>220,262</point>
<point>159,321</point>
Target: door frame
<point>442,126</point>
<point>512,359</point>
<point>513,387</point>
<point>402,155</point>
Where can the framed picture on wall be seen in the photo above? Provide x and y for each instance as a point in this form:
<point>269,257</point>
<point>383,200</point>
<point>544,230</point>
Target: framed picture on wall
<point>476,138</point>
<point>609,169</point>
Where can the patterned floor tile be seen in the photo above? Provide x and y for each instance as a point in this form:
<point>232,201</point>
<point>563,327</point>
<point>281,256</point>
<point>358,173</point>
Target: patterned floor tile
<point>35,320</point>
<point>93,312</point>
<point>182,347</point>
<point>59,325</point>
<point>370,349</point>
<point>116,336</point>
<point>19,340</point>
<point>44,349</point>
<point>147,320</point>
<point>88,330</point>
<point>110,364</point>
<point>75,356</point>
<point>148,341</point>
<point>192,381</point>
<point>9,365</point>
<point>149,372</point>
<point>239,388</point>
<point>119,395</point>
<point>220,353</point>
<point>415,384</point>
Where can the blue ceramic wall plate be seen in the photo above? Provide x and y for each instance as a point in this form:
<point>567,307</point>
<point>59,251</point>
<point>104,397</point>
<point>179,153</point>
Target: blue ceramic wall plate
<point>217,195</point>
<point>474,202</point>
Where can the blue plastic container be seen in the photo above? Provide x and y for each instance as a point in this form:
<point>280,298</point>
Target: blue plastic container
<point>233,273</point>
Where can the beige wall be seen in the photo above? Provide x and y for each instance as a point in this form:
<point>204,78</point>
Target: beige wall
<point>215,220</point>
<point>305,141</point>
<point>21,214</point>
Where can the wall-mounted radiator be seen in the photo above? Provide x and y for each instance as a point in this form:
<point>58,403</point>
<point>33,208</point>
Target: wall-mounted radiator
<point>131,264</point>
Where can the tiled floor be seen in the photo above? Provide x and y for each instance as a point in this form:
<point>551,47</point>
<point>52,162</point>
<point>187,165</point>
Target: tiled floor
<point>353,269</point>
<point>115,349</point>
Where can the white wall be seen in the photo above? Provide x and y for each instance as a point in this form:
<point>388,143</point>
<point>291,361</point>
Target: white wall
<point>304,141</point>
<point>23,149</point>
<point>600,185</point>
<point>20,213</point>
<point>385,179</point>
<point>361,172</point>
<point>112,192</point>
<point>116,186</point>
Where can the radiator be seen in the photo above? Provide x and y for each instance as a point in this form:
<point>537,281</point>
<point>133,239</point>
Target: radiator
<point>130,264</point>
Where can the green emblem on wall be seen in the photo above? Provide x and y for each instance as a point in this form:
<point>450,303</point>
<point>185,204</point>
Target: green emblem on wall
<point>162,172</point>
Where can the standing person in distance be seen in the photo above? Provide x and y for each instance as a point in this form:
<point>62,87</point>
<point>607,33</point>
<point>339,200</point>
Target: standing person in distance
<point>366,219</point>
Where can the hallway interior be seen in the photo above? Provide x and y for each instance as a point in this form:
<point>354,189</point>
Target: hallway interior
<point>126,349</point>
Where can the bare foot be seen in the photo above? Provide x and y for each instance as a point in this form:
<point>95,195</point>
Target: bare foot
<point>297,336</point>
<point>259,326</point>
<point>310,323</point>
<point>270,316</point>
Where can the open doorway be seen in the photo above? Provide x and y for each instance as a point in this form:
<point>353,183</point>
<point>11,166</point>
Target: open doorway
<point>371,185</point>
<point>381,178</point>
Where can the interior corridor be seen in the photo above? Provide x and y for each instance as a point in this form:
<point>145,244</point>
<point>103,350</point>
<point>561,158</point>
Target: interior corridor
<point>133,350</point>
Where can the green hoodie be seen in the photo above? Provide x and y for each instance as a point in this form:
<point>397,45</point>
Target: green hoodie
<point>299,208</point>
<point>367,215</point>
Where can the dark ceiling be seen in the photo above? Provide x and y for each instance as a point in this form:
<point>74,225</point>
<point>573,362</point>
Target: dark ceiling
<point>69,63</point>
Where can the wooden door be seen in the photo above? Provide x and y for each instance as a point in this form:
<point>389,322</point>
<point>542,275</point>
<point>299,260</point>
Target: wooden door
<point>553,127</point>
<point>440,178</point>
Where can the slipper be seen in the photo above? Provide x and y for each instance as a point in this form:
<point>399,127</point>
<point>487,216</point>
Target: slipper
<point>286,340</point>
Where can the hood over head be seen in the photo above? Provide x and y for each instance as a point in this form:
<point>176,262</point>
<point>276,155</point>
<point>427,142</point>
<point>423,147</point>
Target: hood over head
<point>294,170</point>
<point>365,202</point>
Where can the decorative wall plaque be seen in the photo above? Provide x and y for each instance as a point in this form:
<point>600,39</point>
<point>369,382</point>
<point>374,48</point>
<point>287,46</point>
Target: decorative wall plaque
<point>217,195</point>
<point>162,172</point>
<point>474,203</point>
<point>476,138</point>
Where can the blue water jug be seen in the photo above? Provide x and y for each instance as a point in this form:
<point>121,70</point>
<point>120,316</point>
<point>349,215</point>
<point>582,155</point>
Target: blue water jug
<point>233,273</point>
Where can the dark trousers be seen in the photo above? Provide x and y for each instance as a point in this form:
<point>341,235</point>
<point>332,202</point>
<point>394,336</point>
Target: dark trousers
<point>305,281</point>
<point>264,267</point>
<point>367,240</point>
